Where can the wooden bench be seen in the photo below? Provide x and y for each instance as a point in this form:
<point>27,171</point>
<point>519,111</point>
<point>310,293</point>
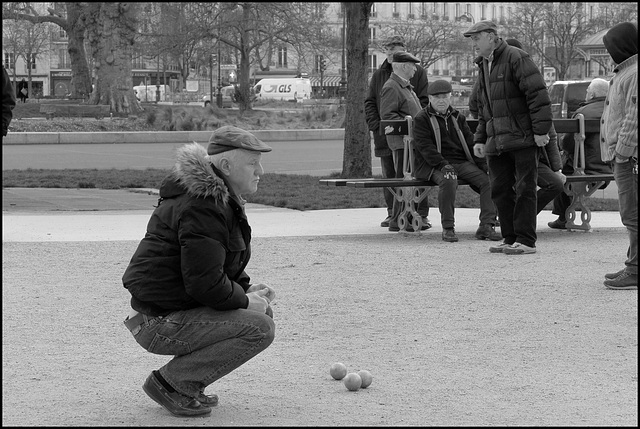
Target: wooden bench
<point>75,111</point>
<point>410,191</point>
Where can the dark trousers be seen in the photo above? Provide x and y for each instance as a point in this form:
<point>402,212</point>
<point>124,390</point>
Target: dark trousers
<point>388,172</point>
<point>479,182</point>
<point>550,186</point>
<point>514,177</point>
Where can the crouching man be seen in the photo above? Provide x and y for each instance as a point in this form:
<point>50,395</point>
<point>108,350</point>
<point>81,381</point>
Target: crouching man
<point>190,296</point>
<point>443,152</point>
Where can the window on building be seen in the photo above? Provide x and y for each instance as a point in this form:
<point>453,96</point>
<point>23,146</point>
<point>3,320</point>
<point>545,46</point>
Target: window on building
<point>445,11</point>
<point>374,11</point>
<point>483,11</point>
<point>457,10</point>
<point>9,60</point>
<point>396,10</point>
<point>63,59</point>
<point>32,61</point>
<point>468,8</point>
<point>282,57</point>
<point>372,33</point>
<point>493,11</point>
<point>62,34</point>
<point>423,10</point>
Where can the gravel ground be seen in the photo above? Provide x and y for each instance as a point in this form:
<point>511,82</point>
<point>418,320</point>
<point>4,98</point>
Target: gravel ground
<point>453,336</point>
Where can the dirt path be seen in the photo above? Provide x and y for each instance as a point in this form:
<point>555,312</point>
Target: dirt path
<point>453,336</point>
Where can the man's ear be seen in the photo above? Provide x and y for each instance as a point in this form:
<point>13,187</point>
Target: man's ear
<point>225,166</point>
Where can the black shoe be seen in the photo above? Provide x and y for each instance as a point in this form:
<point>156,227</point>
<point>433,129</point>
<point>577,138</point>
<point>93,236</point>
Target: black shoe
<point>174,402</point>
<point>623,281</point>
<point>208,400</point>
<point>449,234</point>
<point>385,223</point>
<point>393,227</point>
<point>426,223</point>
<point>611,276</point>
<point>488,232</point>
<point>558,224</point>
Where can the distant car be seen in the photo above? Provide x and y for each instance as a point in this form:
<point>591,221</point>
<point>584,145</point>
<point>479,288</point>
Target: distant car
<point>566,96</point>
<point>227,97</point>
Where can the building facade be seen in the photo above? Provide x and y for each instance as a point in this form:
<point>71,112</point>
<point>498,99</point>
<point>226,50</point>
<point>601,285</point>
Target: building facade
<point>50,71</point>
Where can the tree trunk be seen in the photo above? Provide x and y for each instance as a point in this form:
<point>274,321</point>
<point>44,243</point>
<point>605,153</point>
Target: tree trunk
<point>111,34</point>
<point>357,143</point>
<point>75,28</point>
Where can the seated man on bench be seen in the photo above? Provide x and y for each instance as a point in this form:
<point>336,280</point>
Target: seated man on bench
<point>592,108</point>
<point>443,151</point>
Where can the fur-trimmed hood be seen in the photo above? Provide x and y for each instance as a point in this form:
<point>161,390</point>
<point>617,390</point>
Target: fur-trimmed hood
<point>194,175</point>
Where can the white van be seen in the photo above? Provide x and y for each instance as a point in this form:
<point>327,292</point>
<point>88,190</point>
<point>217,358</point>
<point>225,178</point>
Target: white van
<point>148,93</point>
<point>284,89</point>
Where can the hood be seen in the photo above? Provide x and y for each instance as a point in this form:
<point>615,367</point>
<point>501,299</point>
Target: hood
<point>621,41</point>
<point>194,175</point>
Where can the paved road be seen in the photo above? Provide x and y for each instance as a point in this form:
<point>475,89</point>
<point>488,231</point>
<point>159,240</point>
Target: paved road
<point>313,157</point>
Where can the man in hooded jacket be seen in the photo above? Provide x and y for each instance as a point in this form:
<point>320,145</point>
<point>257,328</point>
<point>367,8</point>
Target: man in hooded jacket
<point>619,141</point>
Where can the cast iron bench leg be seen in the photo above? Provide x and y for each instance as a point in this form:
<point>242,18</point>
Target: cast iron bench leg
<point>579,192</point>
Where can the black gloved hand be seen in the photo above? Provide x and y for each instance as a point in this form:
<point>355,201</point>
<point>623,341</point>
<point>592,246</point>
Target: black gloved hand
<point>449,172</point>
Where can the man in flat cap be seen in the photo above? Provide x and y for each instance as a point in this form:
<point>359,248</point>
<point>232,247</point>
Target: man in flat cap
<point>514,119</point>
<point>420,83</point>
<point>190,295</point>
<point>443,152</point>
<point>397,101</point>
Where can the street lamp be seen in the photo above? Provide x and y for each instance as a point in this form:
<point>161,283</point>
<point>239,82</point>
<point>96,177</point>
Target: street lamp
<point>343,79</point>
<point>468,17</point>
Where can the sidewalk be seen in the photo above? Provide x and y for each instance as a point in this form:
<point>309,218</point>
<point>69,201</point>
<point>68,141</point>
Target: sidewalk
<point>51,214</point>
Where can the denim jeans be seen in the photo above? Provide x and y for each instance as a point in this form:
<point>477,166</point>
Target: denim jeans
<point>550,186</point>
<point>388,172</point>
<point>626,176</point>
<point>206,344</point>
<point>514,177</point>
<point>423,207</point>
<point>479,182</point>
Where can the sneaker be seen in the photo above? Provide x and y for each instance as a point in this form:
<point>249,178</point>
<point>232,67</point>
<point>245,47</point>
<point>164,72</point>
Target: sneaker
<point>499,248</point>
<point>625,280</point>
<point>385,223</point>
<point>426,223</point>
<point>611,276</point>
<point>558,224</point>
<point>174,402</point>
<point>488,232</point>
<point>519,249</point>
<point>449,234</point>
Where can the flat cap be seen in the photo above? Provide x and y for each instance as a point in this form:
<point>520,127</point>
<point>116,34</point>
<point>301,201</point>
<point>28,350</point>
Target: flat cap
<point>229,138</point>
<point>395,40</point>
<point>481,26</point>
<point>439,87</point>
<point>404,57</point>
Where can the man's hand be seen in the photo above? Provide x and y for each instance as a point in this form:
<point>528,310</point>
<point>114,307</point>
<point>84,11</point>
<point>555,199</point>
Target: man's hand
<point>449,172</point>
<point>561,176</point>
<point>541,140</point>
<point>257,301</point>
<point>478,150</point>
<point>270,295</point>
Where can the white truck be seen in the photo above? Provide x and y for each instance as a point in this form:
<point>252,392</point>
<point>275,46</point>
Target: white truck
<point>284,89</point>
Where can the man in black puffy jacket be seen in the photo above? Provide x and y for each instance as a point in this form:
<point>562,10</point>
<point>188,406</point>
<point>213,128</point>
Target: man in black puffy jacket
<point>190,296</point>
<point>420,83</point>
<point>514,119</point>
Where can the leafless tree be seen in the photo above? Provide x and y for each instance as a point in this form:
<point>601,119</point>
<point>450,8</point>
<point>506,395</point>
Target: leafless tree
<point>70,17</point>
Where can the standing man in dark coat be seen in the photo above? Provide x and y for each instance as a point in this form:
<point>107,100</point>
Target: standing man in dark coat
<point>514,119</point>
<point>23,90</point>
<point>420,83</point>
